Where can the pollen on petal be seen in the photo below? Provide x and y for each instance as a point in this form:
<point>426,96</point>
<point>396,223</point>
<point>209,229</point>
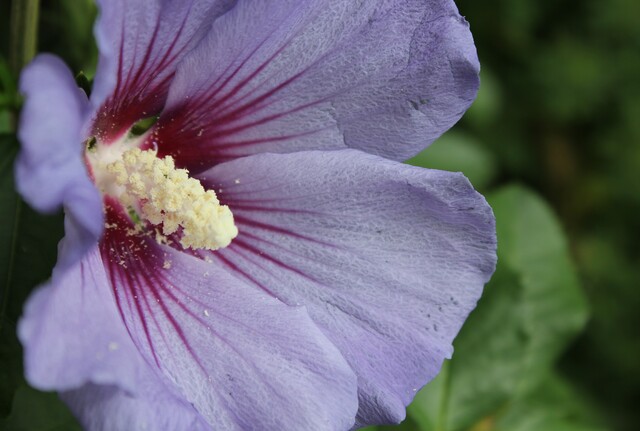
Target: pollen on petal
<point>168,196</point>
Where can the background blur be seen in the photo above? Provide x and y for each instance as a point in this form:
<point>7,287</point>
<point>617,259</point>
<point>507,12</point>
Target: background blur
<point>553,141</point>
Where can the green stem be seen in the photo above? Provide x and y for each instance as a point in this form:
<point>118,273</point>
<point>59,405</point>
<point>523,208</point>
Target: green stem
<point>24,33</point>
<point>443,411</point>
<point>22,48</point>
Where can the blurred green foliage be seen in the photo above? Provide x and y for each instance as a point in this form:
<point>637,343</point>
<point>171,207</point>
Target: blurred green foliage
<point>28,248</point>
<point>38,411</point>
<point>565,75</point>
<point>552,141</point>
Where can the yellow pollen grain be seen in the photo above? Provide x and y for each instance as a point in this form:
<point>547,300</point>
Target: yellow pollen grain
<point>168,196</point>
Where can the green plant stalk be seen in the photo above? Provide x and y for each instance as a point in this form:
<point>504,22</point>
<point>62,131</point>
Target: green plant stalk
<point>22,48</point>
<point>23,44</point>
<point>24,33</point>
<point>443,410</point>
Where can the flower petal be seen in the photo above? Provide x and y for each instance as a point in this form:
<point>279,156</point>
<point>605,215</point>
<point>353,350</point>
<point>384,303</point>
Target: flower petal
<point>140,44</point>
<point>242,358</point>
<point>78,239</point>
<point>72,333</point>
<point>76,342</point>
<point>389,259</point>
<point>384,77</point>
<point>50,171</point>
<point>108,408</point>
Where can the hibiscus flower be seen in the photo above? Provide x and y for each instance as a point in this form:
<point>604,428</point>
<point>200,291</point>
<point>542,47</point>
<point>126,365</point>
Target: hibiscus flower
<point>243,248</point>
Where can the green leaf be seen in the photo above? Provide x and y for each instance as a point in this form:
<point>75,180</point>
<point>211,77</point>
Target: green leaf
<point>458,152</point>
<point>38,411</point>
<point>28,248</point>
<point>487,106</point>
<point>407,425</point>
<point>529,312</point>
<point>552,406</point>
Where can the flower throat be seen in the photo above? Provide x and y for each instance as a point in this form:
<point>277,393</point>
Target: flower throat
<point>153,190</point>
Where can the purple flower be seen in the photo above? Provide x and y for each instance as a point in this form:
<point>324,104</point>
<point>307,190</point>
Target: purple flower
<point>281,122</point>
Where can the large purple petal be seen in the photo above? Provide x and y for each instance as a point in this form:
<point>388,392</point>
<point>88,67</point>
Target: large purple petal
<point>140,44</point>
<point>389,259</point>
<point>72,333</point>
<point>76,342</point>
<point>50,171</point>
<point>241,357</point>
<point>153,407</point>
<point>386,77</point>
